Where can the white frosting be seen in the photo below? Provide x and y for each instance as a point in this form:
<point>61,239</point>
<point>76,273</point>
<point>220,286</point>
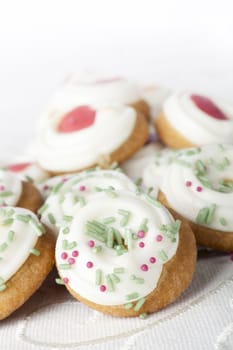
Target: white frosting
<point>30,172</point>
<point>82,279</point>
<point>17,239</point>
<point>155,96</point>
<point>65,201</point>
<point>93,89</point>
<point>10,188</point>
<point>195,125</point>
<point>185,198</point>
<point>58,151</point>
<point>46,186</point>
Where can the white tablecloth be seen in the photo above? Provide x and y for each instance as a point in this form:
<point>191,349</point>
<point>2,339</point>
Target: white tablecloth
<point>202,318</point>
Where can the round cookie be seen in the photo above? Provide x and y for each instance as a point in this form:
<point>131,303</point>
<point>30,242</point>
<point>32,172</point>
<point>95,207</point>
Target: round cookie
<point>188,120</point>
<point>27,171</point>
<point>27,256</point>
<point>14,192</point>
<point>68,195</point>
<point>100,90</point>
<point>74,140</point>
<point>127,257</point>
<point>198,186</point>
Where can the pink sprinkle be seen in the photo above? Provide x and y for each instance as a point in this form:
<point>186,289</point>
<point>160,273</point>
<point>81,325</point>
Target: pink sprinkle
<point>71,261</point>
<point>103,288</point>
<point>64,179</point>
<point>75,253</point>
<point>91,243</point>
<point>141,244</point>
<point>45,187</point>
<point>152,260</point>
<point>90,264</point>
<point>64,255</point>
<point>144,267</point>
<point>159,238</point>
<point>188,183</point>
<point>66,280</point>
<point>2,188</point>
<point>199,188</point>
<point>141,234</point>
<point>82,188</point>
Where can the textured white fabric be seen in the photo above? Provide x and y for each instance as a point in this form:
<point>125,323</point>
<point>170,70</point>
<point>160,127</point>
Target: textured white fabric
<point>202,318</point>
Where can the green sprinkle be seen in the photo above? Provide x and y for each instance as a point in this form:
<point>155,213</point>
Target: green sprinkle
<point>129,239</point>
<point>24,218</point>
<point>223,221</point>
<point>10,212</point>
<point>210,215</point>
<point>110,283</point>
<point>66,230</point>
<point>8,222</point>
<point>10,236</point>
<point>132,296</point>
<point>115,278</point>
<point>139,280</point>
<point>57,187</point>
<point>200,167</point>
<point>138,181</point>
<point>202,215</point>
<point>98,279</point>
<point>59,281</point>
<point>64,266</point>
<point>82,202</point>
<point>163,256</point>
<point>96,235</point>
<point>97,249</point>
<point>110,237</point>
<point>68,246</point>
<point>43,209</point>
<point>38,227</point>
<point>109,220</point>
<point>118,237</point>
<point>114,165</point>
<point>6,194</point>
<point>143,316</point>
<point>51,219</point>
<point>182,162</point>
<point>3,247</point>
<point>152,201</point>
<point>35,251</point>
<point>143,226</point>
<point>29,178</point>
<point>139,304</point>
<point>67,218</point>
<point>119,270</point>
<point>2,287</point>
<point>128,306</point>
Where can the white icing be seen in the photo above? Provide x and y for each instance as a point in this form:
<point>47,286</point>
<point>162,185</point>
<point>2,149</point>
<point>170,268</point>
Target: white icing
<point>33,172</point>
<point>64,202</point>
<point>17,247</point>
<point>58,151</point>
<point>82,279</point>
<point>10,188</point>
<point>186,200</point>
<point>155,96</point>
<point>46,186</point>
<point>194,124</point>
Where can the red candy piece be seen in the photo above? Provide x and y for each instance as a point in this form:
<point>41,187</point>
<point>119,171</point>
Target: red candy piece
<point>208,107</point>
<point>18,167</point>
<point>79,118</point>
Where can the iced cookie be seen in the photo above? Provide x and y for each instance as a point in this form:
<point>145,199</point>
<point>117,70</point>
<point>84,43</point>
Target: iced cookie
<point>86,89</point>
<point>27,171</point>
<point>68,195</point>
<point>198,186</point>
<point>14,192</point>
<point>26,257</point>
<point>188,120</point>
<point>127,257</point>
<point>86,136</point>
<point>47,186</point>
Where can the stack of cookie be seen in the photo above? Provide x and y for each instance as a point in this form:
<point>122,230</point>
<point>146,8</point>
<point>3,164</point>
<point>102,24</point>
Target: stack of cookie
<point>122,208</point>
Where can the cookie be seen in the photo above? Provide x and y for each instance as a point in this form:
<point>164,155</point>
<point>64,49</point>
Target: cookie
<point>73,140</point>
<point>46,187</point>
<point>155,96</point>
<point>68,195</point>
<point>14,192</point>
<point>99,90</point>
<point>127,257</point>
<point>27,256</point>
<point>188,120</point>
<point>27,171</point>
<point>198,186</point>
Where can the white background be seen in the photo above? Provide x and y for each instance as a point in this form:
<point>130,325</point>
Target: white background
<point>177,43</point>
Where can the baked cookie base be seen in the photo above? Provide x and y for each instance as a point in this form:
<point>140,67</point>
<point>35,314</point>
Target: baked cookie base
<point>30,198</point>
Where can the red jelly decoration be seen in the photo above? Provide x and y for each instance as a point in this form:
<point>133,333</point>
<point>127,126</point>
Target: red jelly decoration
<point>208,107</point>
<point>18,167</point>
<point>79,118</point>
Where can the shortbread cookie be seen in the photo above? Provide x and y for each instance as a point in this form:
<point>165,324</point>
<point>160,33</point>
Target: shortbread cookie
<point>198,186</point>
<point>14,192</point>
<point>73,140</point>
<point>66,196</point>
<point>188,120</point>
<point>100,90</point>
<point>27,256</point>
<point>125,257</point>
